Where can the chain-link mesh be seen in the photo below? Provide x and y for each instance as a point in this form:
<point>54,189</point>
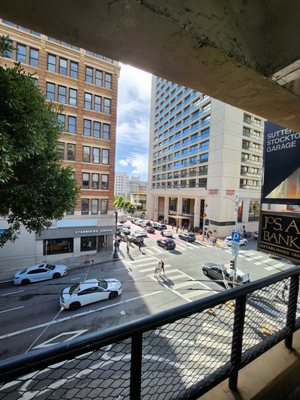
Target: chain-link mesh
<point>298,309</point>
<point>101,374</point>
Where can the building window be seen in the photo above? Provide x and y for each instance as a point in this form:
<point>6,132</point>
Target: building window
<point>73,97</point>
<point>108,81</point>
<point>71,152</point>
<point>51,63</point>
<point>74,70</point>
<point>88,243</point>
<point>247,118</point>
<point>34,57</point>
<point>63,66</point>
<point>106,131</point>
<point>61,150</point>
<point>98,103</point>
<point>61,119</point>
<point>95,206</point>
<point>87,127</point>
<point>86,154</point>
<point>89,74</point>
<point>85,205</point>
<point>104,182</point>
<point>96,129</point>
<point>21,53</point>
<point>96,155</point>
<point>58,246</point>
<point>107,106</point>
<point>254,210</point>
<point>88,101</point>
<point>99,78</point>
<point>85,180</point>
<point>105,156</point>
<point>104,206</point>
<point>71,124</point>
<point>50,91</point>
<point>95,181</point>
<point>62,94</point>
<point>8,53</point>
<point>203,157</point>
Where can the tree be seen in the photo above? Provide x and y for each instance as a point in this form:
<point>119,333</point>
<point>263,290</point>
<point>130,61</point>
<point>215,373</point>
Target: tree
<point>34,186</point>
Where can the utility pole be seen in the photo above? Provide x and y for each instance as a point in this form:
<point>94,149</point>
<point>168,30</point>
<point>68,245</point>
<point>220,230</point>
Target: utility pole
<point>115,255</point>
<point>203,219</point>
<point>235,245</point>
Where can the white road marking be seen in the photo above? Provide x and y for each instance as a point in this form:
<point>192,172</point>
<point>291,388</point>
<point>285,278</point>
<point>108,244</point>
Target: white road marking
<point>70,336</point>
<point>11,309</point>
<point>6,294</point>
<point>76,316</point>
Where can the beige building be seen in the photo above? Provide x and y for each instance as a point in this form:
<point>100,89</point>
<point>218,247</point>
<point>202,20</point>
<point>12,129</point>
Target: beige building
<point>205,158</point>
<point>85,84</point>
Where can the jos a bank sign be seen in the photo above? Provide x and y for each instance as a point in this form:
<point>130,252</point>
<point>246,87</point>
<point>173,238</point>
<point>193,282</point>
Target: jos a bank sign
<point>280,234</point>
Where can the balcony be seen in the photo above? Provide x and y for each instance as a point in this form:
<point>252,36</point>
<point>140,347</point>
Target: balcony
<point>179,353</point>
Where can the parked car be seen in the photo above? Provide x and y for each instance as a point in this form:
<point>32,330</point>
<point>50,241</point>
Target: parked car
<point>88,292</point>
<point>167,233</point>
<point>221,272</point>
<point>150,229</point>
<point>228,241</point>
<point>40,272</point>
<point>167,244</point>
<point>188,237</point>
<point>159,227</point>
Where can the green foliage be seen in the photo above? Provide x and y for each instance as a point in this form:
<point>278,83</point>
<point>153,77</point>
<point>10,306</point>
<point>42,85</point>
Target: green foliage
<point>123,204</point>
<point>34,186</point>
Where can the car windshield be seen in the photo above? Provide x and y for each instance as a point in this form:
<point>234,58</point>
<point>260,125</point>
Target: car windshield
<point>49,266</point>
<point>74,288</point>
<point>102,284</point>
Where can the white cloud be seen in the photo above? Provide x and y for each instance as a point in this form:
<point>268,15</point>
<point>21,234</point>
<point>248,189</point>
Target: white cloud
<point>124,163</point>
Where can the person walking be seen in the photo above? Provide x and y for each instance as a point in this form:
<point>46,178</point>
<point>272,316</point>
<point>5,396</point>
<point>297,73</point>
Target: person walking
<point>140,245</point>
<point>162,266</point>
<point>127,247</point>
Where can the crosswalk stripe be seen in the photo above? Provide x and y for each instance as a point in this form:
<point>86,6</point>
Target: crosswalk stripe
<point>144,261</point>
<point>183,284</point>
<point>269,268</point>
<point>257,263</point>
<point>146,269</point>
<point>195,293</point>
<point>174,276</point>
<point>278,265</point>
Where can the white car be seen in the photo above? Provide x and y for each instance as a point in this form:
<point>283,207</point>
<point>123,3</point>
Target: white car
<point>228,241</point>
<point>40,272</point>
<point>140,233</point>
<point>88,292</point>
<point>167,233</point>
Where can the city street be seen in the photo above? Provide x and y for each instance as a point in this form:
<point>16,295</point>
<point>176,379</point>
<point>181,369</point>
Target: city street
<point>31,315</point>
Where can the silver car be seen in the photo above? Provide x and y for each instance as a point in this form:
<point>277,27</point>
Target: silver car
<point>88,292</point>
<point>40,272</point>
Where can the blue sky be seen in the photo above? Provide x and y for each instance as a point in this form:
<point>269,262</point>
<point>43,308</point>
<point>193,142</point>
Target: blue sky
<point>133,121</point>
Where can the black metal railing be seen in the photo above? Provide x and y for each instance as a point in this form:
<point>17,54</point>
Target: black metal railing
<point>180,353</point>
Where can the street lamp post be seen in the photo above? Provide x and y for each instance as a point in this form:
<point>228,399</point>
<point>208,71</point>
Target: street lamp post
<point>115,255</point>
<point>235,245</point>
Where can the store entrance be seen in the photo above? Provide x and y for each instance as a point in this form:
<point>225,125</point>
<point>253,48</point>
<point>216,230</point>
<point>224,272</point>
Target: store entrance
<point>102,243</point>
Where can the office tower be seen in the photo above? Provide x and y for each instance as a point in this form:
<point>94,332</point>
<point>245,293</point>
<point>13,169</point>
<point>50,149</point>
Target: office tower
<point>85,85</point>
<point>205,161</point>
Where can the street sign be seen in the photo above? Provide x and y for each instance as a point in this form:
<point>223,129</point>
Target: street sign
<point>236,237</point>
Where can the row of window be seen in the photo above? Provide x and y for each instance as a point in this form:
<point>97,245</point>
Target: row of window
<point>95,76</point>
<point>92,181</point>
<point>90,128</point>
<point>95,155</point>
<point>91,206</point>
<point>61,94</point>
<point>31,58</point>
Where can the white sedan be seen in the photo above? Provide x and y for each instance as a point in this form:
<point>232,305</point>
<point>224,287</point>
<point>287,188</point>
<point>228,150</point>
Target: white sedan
<point>140,233</point>
<point>88,292</point>
<point>167,233</point>
<point>228,241</point>
<point>40,272</point>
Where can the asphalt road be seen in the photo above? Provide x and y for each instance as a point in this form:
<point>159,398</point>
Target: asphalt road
<point>31,316</point>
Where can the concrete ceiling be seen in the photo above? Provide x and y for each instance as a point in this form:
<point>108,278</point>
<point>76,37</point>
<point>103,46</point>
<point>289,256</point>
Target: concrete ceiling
<point>243,52</point>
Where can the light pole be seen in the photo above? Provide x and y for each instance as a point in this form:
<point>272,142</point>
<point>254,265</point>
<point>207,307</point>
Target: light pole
<point>234,245</point>
<point>115,255</point>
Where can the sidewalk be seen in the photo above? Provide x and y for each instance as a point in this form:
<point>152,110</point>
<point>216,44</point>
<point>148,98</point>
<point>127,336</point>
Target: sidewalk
<point>7,275</point>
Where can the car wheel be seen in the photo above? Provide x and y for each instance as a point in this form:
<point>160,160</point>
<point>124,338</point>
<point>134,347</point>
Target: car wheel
<point>205,272</point>
<point>113,295</point>
<point>25,282</point>
<point>74,306</point>
<point>56,275</point>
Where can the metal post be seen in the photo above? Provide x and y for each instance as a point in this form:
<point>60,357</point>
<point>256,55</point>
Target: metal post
<point>136,366</point>
<point>237,340</point>
<point>115,255</point>
<point>292,309</point>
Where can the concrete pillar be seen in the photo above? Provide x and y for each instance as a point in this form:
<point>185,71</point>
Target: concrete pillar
<point>166,208</point>
<point>155,207</point>
<point>245,215</point>
<point>197,211</point>
<point>179,206</point>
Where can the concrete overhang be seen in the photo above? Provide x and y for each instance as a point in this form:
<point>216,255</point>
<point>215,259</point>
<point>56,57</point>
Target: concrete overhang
<point>245,53</point>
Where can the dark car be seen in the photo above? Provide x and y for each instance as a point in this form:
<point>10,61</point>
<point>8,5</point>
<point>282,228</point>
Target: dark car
<point>160,227</point>
<point>150,229</point>
<point>167,244</point>
<point>188,237</point>
<point>220,272</point>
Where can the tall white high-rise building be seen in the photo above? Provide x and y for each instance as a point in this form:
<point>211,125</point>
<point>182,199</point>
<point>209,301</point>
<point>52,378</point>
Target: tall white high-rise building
<point>205,158</point>
<point>121,183</point>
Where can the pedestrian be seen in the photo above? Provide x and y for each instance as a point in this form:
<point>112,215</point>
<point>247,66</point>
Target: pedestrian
<point>140,244</point>
<point>162,266</point>
<point>157,269</point>
<point>127,246</point>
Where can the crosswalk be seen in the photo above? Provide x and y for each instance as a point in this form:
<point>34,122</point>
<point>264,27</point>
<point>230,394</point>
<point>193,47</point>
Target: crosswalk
<point>260,259</point>
<point>178,282</point>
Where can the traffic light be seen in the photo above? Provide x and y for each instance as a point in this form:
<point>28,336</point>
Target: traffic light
<point>232,264</point>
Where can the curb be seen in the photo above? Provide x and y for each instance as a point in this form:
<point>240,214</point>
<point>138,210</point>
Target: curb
<point>71,268</point>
